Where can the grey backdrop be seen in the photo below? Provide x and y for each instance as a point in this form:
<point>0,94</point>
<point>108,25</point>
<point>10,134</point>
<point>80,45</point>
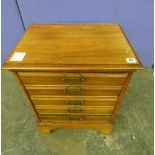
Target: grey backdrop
<point>136,18</point>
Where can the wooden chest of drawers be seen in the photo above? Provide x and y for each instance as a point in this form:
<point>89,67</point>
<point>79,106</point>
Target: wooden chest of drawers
<point>73,75</point>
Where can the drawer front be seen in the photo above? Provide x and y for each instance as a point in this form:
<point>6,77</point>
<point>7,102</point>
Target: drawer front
<point>73,100</point>
<point>100,110</point>
<point>48,78</point>
<point>74,90</point>
<point>80,118</point>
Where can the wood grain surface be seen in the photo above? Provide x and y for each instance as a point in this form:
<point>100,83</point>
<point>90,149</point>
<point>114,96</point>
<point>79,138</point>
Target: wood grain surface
<point>49,78</point>
<point>74,100</point>
<point>51,46</point>
<point>74,75</point>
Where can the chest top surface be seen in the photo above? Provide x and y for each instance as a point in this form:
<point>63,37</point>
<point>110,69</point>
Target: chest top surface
<point>57,46</point>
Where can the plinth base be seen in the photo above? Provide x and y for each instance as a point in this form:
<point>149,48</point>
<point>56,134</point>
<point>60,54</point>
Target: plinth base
<point>47,127</point>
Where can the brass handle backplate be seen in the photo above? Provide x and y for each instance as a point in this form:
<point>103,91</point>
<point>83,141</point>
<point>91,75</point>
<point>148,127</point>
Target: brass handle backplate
<point>74,109</point>
<point>73,91</point>
<point>74,102</point>
<point>77,118</point>
<point>73,78</point>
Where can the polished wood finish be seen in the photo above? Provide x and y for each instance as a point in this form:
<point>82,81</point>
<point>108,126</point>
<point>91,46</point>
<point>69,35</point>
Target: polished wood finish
<point>74,75</point>
<point>47,127</point>
<point>121,95</point>
<point>75,118</point>
<point>27,97</point>
<point>66,90</point>
<point>74,46</point>
<point>105,110</point>
<point>74,100</point>
<point>47,78</point>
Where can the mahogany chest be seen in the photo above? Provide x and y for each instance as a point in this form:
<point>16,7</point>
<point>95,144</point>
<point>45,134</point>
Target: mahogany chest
<point>73,75</point>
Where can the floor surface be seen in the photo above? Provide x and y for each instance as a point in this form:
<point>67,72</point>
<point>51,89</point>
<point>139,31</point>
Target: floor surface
<point>132,133</point>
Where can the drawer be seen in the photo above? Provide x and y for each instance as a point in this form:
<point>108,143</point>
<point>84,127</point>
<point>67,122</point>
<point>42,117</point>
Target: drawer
<point>106,110</point>
<point>83,90</point>
<point>48,78</point>
<point>73,100</point>
<point>80,118</point>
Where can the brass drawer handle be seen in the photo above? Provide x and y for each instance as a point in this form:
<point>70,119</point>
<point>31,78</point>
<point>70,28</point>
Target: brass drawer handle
<point>77,118</point>
<point>73,78</point>
<point>74,110</point>
<point>74,102</point>
<point>73,91</point>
